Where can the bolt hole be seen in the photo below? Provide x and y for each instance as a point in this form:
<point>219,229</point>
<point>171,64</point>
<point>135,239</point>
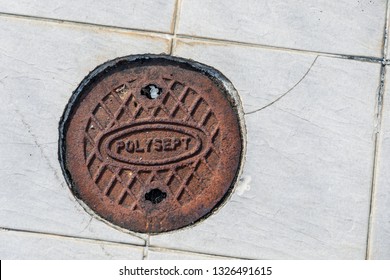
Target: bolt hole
<point>151,91</point>
<point>155,196</point>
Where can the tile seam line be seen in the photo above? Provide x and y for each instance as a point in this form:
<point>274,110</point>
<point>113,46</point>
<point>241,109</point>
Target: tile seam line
<point>158,248</point>
<point>168,35</point>
<point>378,119</point>
<point>145,32</point>
<point>378,129</point>
<point>175,26</point>
<point>70,237</point>
<point>371,59</point>
<point>108,242</point>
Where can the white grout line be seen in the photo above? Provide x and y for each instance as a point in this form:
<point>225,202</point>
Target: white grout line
<point>69,237</point>
<point>377,131</point>
<point>143,32</point>
<point>174,36</point>
<point>193,253</point>
<point>116,243</point>
<point>175,26</point>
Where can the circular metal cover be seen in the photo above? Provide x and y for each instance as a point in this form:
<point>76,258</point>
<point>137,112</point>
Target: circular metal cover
<point>152,143</point>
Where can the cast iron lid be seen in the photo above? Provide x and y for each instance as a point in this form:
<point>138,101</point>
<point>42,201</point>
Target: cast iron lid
<point>152,143</point>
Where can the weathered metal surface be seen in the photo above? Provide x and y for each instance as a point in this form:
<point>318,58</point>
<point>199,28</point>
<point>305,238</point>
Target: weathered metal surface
<point>151,143</point>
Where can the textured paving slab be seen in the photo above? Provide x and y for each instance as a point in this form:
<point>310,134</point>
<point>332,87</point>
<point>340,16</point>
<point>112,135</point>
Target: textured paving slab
<point>146,15</point>
<point>346,27</point>
<point>18,245</point>
<point>41,64</point>
<point>380,221</point>
<point>307,178</point>
<point>305,191</point>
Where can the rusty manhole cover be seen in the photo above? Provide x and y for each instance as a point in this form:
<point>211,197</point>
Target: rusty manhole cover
<point>152,143</point>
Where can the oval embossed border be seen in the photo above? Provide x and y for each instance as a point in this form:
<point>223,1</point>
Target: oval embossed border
<point>105,141</point>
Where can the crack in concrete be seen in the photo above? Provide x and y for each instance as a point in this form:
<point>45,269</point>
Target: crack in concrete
<point>287,92</point>
<point>87,225</point>
<point>105,252</point>
<point>38,145</point>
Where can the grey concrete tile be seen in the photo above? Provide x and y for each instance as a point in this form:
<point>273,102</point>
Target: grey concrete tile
<point>305,189</point>
<point>346,27</point>
<point>41,64</point>
<point>379,243</point>
<point>156,15</point>
<point>28,246</point>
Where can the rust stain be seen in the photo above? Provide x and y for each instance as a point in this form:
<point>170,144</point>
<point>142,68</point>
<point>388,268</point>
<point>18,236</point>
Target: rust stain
<point>151,143</point>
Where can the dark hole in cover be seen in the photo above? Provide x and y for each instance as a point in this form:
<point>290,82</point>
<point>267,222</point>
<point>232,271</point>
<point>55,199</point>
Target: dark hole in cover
<point>155,196</point>
<point>151,91</point>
